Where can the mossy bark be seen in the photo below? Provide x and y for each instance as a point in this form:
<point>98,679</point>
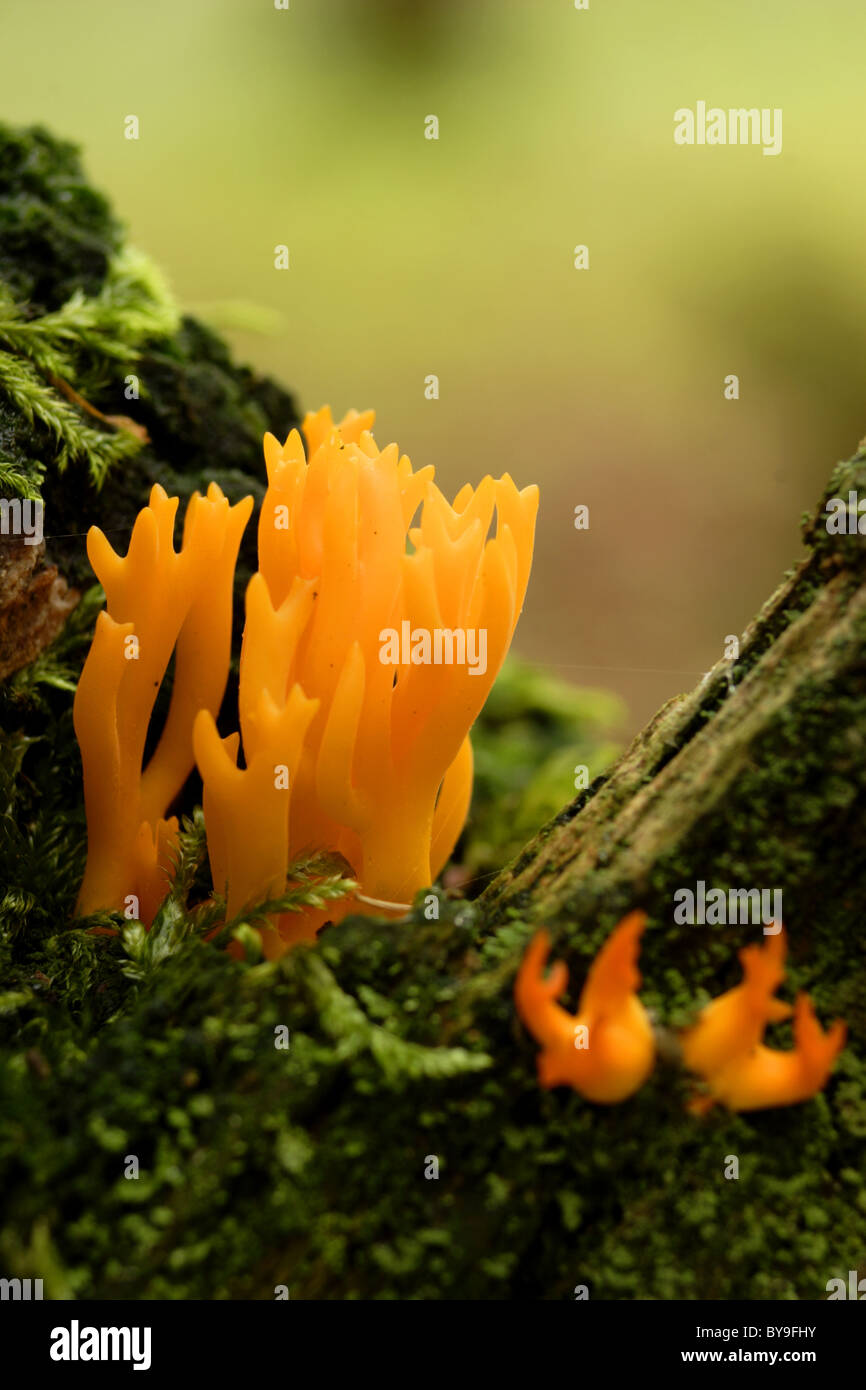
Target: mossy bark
<point>757,776</point>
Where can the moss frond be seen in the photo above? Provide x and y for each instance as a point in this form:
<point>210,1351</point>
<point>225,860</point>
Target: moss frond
<point>76,346</point>
<point>400,1059</point>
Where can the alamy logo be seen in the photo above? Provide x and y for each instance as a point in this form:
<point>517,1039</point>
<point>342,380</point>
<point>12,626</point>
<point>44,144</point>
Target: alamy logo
<point>439,646</point>
<point>856,1288</point>
<point>736,126</point>
<point>21,518</point>
<point>21,1290</point>
<point>738,905</point>
<point>846,518</point>
<point>76,1343</point>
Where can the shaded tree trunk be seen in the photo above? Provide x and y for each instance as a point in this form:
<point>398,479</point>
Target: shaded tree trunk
<point>757,777</point>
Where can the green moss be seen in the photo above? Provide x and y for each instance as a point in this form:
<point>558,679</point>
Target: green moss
<point>535,735</point>
<point>57,234</point>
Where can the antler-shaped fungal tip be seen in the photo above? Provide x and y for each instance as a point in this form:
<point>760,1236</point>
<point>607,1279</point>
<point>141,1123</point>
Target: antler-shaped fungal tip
<point>607,1050</point>
<point>725,1046</point>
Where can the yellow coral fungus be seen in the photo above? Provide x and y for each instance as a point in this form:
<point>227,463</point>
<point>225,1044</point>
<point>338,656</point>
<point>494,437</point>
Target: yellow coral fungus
<point>726,1047</point>
<point>388,651</point>
<point>369,648</point>
<point>157,599</point>
<point>607,1050</point>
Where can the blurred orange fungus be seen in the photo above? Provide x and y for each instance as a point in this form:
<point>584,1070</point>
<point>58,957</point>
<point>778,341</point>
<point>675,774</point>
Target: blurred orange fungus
<point>725,1046</point>
<point>606,1050</point>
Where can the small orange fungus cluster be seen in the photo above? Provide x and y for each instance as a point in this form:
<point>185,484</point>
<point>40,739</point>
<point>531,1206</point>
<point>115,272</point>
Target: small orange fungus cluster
<point>726,1048</point>
<point>376,623</point>
<point>606,1051</point>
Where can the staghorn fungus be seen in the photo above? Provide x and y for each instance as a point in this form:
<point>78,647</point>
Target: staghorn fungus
<point>606,1050</point>
<point>370,645</point>
<point>725,1046</point>
<point>384,773</point>
<point>158,600</point>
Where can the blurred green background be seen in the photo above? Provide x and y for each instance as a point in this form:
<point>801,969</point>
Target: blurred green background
<point>409,257</point>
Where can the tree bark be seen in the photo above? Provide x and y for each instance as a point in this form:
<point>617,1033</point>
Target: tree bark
<point>755,777</point>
